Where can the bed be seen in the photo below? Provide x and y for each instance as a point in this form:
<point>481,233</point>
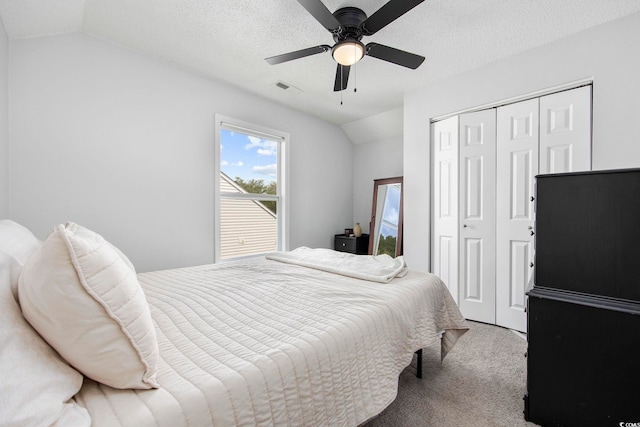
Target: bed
<point>265,342</point>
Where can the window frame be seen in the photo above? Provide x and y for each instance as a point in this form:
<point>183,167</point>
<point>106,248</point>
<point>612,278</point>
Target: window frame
<point>282,188</point>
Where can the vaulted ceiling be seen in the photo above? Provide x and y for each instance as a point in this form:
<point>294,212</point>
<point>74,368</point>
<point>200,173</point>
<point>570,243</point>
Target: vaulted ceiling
<point>228,40</point>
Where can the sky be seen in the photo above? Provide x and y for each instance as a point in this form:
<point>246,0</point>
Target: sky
<point>248,157</point>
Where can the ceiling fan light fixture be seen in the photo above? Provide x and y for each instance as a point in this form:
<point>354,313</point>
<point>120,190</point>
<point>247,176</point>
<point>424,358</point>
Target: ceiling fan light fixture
<point>348,52</point>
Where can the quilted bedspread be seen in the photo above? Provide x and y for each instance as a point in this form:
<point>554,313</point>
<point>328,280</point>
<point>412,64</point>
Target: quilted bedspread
<point>260,342</point>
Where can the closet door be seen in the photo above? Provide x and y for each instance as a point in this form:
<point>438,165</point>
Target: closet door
<point>477,215</point>
<point>517,165</point>
<point>444,136</point>
<point>565,131</point>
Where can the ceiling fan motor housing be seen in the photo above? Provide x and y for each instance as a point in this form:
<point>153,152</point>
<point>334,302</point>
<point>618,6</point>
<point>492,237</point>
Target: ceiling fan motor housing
<point>350,19</point>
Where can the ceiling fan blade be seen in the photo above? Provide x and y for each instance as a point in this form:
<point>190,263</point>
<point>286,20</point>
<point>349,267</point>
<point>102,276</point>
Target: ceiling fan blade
<point>397,56</point>
<point>297,54</point>
<point>318,10</point>
<point>342,78</point>
<point>388,13</point>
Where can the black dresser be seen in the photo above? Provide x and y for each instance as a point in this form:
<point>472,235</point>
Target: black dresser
<point>583,332</point>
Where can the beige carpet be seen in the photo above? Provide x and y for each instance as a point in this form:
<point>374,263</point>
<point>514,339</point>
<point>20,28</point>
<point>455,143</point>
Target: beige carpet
<point>480,383</point>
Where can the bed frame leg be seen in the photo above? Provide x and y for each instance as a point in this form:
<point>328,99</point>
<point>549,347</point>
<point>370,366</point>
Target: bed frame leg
<point>419,370</point>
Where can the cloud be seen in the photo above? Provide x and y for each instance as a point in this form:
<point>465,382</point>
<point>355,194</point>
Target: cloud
<point>265,147</point>
<point>391,214</point>
<point>225,163</point>
<point>254,141</point>
<point>269,170</point>
<point>266,152</point>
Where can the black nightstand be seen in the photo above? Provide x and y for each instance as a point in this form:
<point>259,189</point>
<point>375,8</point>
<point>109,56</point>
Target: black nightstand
<point>353,245</point>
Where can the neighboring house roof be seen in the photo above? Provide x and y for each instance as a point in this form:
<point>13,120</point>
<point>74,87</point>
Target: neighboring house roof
<point>247,226</point>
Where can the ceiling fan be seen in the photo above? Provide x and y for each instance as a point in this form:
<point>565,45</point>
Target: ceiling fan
<point>348,25</point>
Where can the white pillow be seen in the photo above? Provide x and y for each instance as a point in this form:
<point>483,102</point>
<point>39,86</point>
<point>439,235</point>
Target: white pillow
<point>37,385</point>
<point>82,295</point>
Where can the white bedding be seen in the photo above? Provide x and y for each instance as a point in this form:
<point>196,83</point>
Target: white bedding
<point>259,342</point>
<point>380,268</point>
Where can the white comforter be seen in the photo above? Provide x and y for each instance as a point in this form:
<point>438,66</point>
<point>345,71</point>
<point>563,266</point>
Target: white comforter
<point>380,268</point>
<point>260,342</point>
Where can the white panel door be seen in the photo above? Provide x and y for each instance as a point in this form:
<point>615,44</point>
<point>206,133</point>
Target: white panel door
<point>565,131</point>
<point>516,167</point>
<point>444,137</point>
<point>477,279</point>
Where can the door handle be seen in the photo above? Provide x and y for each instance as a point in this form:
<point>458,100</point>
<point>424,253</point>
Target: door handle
<point>531,264</point>
<point>531,232</point>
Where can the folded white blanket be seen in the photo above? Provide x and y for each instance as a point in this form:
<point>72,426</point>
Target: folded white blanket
<point>379,268</point>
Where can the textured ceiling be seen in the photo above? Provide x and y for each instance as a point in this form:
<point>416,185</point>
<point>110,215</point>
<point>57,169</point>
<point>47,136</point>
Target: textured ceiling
<point>229,39</point>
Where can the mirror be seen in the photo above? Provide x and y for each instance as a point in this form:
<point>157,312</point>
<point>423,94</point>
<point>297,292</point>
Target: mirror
<point>385,227</point>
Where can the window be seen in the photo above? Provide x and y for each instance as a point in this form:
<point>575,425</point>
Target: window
<point>250,189</point>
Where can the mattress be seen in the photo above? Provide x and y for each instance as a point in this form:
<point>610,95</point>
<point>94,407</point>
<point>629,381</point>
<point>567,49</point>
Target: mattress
<point>260,342</point>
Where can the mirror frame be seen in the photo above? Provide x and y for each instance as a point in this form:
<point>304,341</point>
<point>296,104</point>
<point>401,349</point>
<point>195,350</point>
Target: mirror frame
<point>372,232</point>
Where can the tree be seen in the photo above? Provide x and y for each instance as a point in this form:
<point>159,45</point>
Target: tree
<point>257,186</point>
<point>387,245</point>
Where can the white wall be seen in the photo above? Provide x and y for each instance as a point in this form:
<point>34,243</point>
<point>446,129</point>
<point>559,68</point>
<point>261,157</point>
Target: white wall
<point>123,144</point>
<point>608,53</point>
<point>4,125</point>
<point>373,160</point>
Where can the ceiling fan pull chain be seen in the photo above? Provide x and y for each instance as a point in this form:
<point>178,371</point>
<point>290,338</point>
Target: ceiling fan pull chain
<point>355,78</point>
<point>341,83</point>
<point>355,69</point>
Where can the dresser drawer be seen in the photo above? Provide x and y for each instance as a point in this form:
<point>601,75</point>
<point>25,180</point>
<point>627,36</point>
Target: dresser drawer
<point>345,244</point>
<point>351,244</point>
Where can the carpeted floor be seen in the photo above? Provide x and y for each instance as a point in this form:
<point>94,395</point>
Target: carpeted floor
<point>481,382</point>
